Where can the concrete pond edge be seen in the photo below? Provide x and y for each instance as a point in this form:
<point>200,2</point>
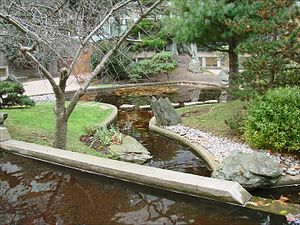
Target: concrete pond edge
<point>117,86</point>
<point>203,187</point>
<point>209,158</point>
<point>178,182</point>
<point>112,117</point>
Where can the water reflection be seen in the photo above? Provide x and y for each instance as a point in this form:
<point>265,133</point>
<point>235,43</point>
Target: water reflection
<point>167,154</point>
<point>38,193</point>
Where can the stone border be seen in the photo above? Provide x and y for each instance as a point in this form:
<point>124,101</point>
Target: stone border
<point>287,180</point>
<point>182,83</point>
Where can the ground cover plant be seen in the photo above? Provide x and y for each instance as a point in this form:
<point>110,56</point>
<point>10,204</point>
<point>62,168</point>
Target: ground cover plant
<point>36,125</point>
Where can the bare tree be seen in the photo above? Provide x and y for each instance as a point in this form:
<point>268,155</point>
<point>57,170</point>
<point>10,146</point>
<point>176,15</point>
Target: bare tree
<point>61,30</point>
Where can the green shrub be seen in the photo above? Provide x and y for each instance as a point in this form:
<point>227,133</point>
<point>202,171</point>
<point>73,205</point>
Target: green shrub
<point>11,94</point>
<point>150,44</point>
<point>273,120</point>
<point>161,62</point>
<point>116,67</point>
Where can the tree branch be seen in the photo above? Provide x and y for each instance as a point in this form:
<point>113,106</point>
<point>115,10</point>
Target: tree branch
<point>23,29</point>
<point>99,26</point>
<point>101,65</point>
<point>55,87</point>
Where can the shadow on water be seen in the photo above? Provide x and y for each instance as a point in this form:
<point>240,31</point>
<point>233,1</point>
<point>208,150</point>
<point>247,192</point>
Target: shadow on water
<point>33,192</point>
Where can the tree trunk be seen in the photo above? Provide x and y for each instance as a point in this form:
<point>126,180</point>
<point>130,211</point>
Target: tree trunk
<point>194,52</point>
<point>61,125</point>
<point>233,65</point>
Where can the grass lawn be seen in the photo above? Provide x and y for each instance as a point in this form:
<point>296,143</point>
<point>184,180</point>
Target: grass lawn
<point>36,124</point>
<point>211,117</point>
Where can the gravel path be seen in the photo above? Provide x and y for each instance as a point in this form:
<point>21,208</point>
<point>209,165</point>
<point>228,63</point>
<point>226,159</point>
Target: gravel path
<point>222,147</point>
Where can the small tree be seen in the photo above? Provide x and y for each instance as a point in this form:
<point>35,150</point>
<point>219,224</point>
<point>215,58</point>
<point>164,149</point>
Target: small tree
<point>11,94</point>
<point>60,30</point>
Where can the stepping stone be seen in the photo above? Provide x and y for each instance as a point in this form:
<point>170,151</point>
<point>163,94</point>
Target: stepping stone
<point>144,107</point>
<point>210,101</point>
<point>192,103</point>
<point>127,106</point>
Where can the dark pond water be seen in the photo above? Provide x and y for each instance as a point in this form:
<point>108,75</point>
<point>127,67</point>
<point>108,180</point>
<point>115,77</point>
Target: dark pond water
<point>167,153</point>
<point>33,192</point>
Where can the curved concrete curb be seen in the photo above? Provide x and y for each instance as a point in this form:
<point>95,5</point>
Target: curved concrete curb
<point>287,180</point>
<point>112,117</point>
<point>198,149</point>
<point>203,187</point>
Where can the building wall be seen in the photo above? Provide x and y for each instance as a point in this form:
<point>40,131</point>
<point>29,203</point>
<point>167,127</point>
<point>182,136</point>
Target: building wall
<point>23,72</point>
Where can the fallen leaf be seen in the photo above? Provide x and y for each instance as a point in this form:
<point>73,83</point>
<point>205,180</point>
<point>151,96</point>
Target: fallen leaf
<point>283,199</point>
<point>283,212</point>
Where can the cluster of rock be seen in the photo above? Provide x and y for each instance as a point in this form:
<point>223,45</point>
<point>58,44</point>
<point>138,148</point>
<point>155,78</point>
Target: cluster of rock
<point>219,147</point>
<point>222,148</point>
<point>251,170</point>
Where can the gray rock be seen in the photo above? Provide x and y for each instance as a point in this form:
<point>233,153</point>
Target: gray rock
<point>3,116</point>
<point>194,66</point>
<point>194,95</point>
<point>251,170</point>
<point>224,75</point>
<point>131,151</point>
<point>12,78</point>
<point>164,112</point>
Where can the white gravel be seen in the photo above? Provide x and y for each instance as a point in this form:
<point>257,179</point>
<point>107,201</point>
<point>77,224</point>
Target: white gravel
<point>43,98</point>
<point>222,147</point>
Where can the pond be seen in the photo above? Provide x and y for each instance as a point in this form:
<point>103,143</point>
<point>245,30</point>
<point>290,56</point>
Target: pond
<point>33,192</point>
<point>167,154</point>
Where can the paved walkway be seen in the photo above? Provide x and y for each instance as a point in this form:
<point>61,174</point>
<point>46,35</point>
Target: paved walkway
<point>42,86</point>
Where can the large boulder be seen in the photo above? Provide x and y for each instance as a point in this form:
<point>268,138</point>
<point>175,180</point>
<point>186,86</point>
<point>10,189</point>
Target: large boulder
<point>130,151</point>
<point>251,170</point>
<point>164,112</point>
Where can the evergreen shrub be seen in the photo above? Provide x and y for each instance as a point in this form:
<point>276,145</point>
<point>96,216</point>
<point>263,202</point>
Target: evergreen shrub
<point>273,120</point>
